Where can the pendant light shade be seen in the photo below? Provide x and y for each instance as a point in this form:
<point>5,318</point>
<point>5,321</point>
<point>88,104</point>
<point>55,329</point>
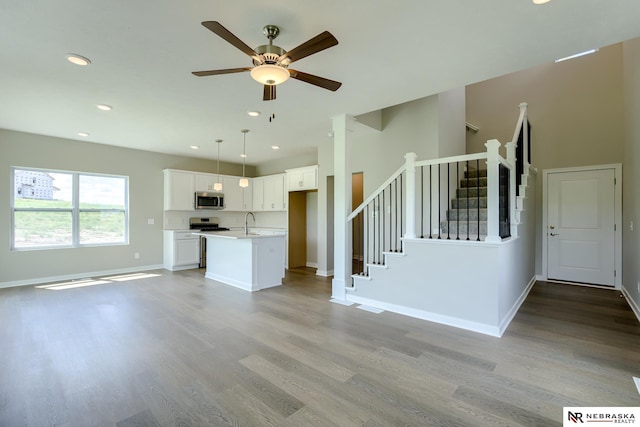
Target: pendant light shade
<point>244,182</point>
<point>217,186</point>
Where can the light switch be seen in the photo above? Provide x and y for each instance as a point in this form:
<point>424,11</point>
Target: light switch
<point>151,221</point>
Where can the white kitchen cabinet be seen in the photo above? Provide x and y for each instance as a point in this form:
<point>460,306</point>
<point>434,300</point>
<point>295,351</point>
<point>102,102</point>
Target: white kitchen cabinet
<point>301,179</point>
<point>205,181</point>
<point>274,192</point>
<point>181,250</point>
<point>179,189</point>
<point>269,193</point>
<point>236,198</point>
<point>258,194</point>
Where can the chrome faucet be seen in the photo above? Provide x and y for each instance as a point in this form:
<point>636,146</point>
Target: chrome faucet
<point>246,219</point>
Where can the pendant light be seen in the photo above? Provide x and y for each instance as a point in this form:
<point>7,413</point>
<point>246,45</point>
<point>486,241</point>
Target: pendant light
<point>244,182</point>
<point>217,186</point>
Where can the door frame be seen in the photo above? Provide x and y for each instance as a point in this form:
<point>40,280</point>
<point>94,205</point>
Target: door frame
<point>617,168</point>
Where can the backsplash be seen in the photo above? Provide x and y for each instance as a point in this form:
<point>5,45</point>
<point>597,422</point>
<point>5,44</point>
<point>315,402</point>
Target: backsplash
<point>179,220</point>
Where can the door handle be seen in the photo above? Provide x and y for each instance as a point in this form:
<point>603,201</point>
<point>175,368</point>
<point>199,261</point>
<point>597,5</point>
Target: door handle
<point>555,234</point>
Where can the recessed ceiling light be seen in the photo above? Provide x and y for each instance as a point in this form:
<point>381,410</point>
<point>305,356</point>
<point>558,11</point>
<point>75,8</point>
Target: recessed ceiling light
<point>104,107</point>
<point>83,134</point>
<point>275,147</point>
<point>540,1</point>
<point>253,113</point>
<point>243,155</point>
<point>194,147</point>
<point>78,59</point>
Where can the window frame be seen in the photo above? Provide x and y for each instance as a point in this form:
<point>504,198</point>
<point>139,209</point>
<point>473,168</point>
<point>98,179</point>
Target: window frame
<point>74,210</point>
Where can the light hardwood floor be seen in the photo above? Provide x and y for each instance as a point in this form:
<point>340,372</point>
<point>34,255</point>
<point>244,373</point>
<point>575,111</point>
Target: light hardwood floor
<point>180,350</point>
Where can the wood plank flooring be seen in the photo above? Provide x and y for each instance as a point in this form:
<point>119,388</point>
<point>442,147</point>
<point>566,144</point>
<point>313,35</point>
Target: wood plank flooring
<point>176,349</point>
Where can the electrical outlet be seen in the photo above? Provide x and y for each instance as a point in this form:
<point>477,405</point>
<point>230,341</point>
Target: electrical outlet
<point>136,255</point>
<point>151,221</point>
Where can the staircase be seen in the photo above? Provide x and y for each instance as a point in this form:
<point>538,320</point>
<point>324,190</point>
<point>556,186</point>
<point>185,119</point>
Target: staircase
<point>451,239</point>
<point>467,217</point>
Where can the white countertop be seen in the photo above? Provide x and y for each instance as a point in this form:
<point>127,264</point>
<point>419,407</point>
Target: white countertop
<point>234,234</point>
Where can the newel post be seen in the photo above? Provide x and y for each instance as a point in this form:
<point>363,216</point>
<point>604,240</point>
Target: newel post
<point>410,195</point>
<point>511,158</point>
<point>493,192</point>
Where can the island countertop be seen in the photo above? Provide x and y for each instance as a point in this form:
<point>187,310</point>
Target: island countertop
<point>234,234</point>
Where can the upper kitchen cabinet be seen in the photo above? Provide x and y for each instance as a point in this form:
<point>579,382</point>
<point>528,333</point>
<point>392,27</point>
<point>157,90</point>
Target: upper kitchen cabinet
<point>237,198</point>
<point>274,192</point>
<point>268,193</point>
<point>301,179</point>
<point>205,181</point>
<point>179,189</point>
<point>258,194</point>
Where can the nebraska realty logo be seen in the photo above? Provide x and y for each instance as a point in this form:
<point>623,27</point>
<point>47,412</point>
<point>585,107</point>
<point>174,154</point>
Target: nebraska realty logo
<point>605,416</point>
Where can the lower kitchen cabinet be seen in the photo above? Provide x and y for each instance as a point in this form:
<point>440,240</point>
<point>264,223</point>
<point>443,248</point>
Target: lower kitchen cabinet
<point>181,250</point>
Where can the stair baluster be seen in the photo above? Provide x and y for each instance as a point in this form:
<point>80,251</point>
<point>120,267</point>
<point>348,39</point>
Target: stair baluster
<point>422,202</point>
<point>384,210</point>
<point>430,200</point>
<point>477,195</point>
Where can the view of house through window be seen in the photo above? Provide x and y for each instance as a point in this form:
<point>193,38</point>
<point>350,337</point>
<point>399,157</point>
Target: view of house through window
<point>55,208</point>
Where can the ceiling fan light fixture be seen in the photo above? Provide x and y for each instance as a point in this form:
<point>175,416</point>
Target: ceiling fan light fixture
<point>269,74</point>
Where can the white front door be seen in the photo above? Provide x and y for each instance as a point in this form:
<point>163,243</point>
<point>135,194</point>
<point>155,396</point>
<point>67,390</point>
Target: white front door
<point>580,226</point>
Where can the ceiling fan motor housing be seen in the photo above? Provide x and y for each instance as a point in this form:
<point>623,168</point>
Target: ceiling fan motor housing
<point>270,53</point>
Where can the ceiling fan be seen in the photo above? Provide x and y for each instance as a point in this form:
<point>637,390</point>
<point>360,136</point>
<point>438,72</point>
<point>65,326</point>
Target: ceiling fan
<point>271,62</point>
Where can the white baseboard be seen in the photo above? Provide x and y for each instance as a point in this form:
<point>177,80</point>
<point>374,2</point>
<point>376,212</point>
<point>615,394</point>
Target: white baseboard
<point>482,328</point>
<point>632,303</point>
<point>504,324</point>
<point>312,264</point>
<point>324,273</point>
<point>50,279</point>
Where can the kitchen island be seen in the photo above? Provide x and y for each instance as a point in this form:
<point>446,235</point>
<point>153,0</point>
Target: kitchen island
<point>247,261</point>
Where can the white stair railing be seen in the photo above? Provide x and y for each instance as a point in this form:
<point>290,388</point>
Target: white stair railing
<point>420,191</point>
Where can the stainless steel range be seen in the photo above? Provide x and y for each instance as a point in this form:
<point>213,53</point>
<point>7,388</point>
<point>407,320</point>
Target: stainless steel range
<point>205,224</point>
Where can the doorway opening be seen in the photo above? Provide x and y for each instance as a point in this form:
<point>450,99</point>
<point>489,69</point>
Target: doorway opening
<point>357,236</point>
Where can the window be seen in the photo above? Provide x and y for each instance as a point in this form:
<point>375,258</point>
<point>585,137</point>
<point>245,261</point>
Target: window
<point>68,209</point>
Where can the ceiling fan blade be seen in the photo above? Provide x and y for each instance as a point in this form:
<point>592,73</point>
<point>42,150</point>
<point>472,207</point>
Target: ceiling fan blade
<point>216,72</point>
<point>225,34</point>
<point>269,93</point>
<point>320,42</point>
<point>315,80</point>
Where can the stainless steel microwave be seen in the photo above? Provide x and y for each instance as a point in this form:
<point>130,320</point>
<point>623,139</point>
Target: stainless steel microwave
<point>209,200</point>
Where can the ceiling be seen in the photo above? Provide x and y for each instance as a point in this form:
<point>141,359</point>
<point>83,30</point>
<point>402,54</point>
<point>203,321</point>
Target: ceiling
<point>143,52</point>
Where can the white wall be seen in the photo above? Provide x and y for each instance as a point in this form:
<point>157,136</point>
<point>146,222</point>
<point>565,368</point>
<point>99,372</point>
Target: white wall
<point>144,170</point>
<point>280,165</point>
<point>474,286</point>
<point>431,127</point>
<point>631,174</point>
<point>575,108</point>
<point>451,123</point>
